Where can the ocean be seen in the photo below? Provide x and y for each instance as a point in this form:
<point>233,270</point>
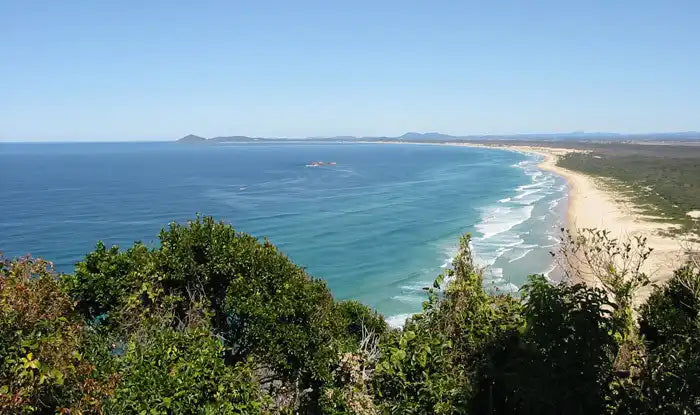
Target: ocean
<point>379,224</point>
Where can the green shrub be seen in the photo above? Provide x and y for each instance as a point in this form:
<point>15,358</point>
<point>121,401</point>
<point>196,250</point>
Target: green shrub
<point>262,305</point>
<point>103,281</point>
<point>416,374</point>
<point>670,325</point>
<point>42,368</point>
<point>167,371</point>
<point>357,319</point>
<point>569,347</point>
<point>428,366</point>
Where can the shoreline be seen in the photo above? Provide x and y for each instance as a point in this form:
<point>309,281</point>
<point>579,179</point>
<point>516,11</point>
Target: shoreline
<point>591,205</point>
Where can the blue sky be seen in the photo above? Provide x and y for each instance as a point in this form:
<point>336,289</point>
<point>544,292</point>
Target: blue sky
<point>151,70</point>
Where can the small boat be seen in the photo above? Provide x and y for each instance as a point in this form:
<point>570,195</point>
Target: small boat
<point>321,163</point>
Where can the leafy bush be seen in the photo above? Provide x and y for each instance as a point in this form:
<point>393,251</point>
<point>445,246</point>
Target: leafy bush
<point>670,324</point>
<point>41,364</point>
<point>356,318</point>
<point>262,305</point>
<point>415,374</point>
<point>428,367</point>
<point>167,371</point>
<point>101,283</point>
<point>567,350</point>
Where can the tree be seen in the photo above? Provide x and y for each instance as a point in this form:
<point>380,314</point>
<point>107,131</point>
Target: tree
<point>431,365</point>
<point>593,256</point>
<point>670,326</point>
<point>262,305</point>
<point>564,360</point>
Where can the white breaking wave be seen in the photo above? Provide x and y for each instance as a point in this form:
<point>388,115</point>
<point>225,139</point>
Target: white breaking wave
<point>554,203</point>
<point>529,186</point>
<point>488,251</point>
<point>495,235</point>
<point>497,224</point>
<point>407,298</point>
<point>528,193</point>
<point>502,219</point>
<point>549,271</point>
<point>521,256</point>
<point>398,320</point>
<point>493,279</point>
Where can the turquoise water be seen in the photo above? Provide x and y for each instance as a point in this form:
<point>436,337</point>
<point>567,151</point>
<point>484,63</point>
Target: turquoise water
<point>378,225</point>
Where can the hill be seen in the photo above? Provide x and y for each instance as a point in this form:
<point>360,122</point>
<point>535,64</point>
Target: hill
<point>191,138</point>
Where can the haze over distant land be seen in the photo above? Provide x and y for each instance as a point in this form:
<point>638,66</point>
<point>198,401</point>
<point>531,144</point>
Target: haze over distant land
<point>435,136</point>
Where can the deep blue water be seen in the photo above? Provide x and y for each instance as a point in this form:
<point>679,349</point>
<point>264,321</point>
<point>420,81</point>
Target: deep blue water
<point>378,226</point>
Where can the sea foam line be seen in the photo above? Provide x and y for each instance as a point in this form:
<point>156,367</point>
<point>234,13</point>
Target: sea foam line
<point>495,226</point>
<point>497,222</point>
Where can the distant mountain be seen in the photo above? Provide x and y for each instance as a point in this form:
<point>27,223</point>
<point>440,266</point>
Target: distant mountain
<point>216,140</point>
<point>191,138</point>
<point>439,137</point>
<point>233,139</point>
<point>692,135</point>
<point>426,136</point>
<point>340,138</point>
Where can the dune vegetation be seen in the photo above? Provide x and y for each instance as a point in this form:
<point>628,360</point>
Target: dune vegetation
<point>661,180</point>
<point>214,321</point>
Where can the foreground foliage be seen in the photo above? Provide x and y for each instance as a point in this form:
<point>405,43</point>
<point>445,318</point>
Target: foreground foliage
<point>214,321</point>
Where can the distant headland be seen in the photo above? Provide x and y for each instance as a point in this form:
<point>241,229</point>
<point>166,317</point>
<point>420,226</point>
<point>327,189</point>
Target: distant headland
<point>440,137</point>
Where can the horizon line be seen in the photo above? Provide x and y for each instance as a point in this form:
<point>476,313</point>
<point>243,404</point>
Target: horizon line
<point>465,136</point>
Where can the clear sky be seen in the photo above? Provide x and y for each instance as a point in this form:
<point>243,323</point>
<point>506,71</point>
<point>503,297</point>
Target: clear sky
<point>155,70</point>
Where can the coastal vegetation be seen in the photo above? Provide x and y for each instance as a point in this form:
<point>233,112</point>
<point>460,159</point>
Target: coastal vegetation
<point>662,180</point>
<point>214,321</point>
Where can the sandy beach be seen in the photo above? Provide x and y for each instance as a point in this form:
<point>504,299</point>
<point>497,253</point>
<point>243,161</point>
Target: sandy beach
<point>592,204</point>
